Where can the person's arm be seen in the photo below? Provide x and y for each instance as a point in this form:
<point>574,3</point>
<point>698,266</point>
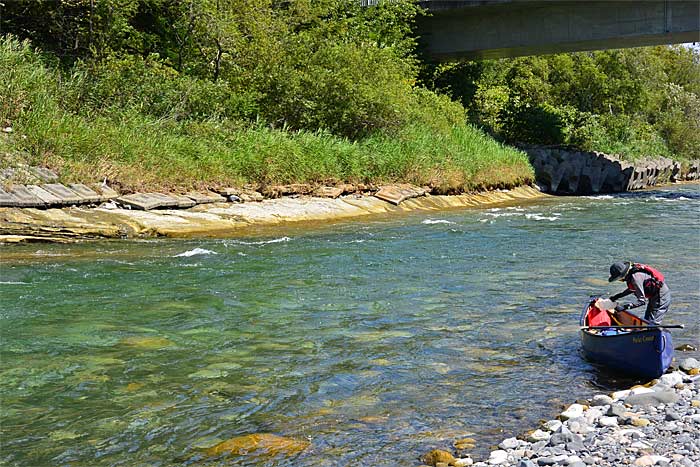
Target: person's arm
<point>618,296</point>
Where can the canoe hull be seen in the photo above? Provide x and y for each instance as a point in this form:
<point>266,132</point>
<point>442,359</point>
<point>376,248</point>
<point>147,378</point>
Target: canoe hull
<point>643,353</point>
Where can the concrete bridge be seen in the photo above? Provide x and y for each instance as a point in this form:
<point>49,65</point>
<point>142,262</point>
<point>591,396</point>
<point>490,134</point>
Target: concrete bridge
<point>508,28</point>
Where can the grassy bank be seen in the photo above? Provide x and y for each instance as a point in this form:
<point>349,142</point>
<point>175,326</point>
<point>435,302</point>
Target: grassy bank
<point>138,151</point>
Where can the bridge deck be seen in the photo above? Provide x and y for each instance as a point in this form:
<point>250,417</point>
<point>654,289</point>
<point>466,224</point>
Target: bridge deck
<point>502,28</point>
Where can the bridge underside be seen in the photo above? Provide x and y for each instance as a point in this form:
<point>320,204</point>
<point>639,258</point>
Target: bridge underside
<point>510,28</point>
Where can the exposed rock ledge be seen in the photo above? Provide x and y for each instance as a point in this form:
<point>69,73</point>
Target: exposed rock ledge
<point>219,219</point>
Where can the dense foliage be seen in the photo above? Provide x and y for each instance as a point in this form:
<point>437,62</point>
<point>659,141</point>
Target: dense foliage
<point>634,102</point>
<point>233,91</point>
<point>305,64</point>
<point>58,120</point>
<point>173,93</point>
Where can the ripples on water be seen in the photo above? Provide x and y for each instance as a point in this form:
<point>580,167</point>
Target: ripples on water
<point>377,340</point>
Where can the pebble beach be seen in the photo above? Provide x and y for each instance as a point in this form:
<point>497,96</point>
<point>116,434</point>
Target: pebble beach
<point>647,425</point>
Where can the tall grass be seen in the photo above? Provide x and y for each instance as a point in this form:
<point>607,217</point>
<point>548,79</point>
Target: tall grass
<point>142,152</point>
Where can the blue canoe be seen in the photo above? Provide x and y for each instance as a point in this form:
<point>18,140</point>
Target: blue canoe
<point>645,353</point>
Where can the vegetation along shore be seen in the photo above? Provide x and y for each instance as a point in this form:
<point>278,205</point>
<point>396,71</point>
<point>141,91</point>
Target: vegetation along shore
<point>154,96</point>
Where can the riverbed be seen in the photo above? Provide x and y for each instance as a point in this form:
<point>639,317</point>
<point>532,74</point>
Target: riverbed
<point>375,341</point>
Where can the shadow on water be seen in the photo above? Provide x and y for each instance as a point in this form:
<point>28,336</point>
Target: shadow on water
<point>608,380</point>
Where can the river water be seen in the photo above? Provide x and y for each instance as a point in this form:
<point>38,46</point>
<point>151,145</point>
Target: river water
<point>376,340</point>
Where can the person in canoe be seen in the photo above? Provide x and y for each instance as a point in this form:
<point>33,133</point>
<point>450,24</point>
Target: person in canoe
<point>648,286</point>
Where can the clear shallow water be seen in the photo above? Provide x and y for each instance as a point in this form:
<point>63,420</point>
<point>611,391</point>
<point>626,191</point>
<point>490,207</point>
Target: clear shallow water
<point>376,340</point>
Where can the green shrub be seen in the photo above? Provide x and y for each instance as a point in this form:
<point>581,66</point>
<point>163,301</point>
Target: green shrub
<point>149,87</point>
<point>626,136</point>
<point>135,124</point>
<point>26,86</point>
<point>639,101</point>
<point>346,89</point>
<point>679,121</point>
<point>541,123</point>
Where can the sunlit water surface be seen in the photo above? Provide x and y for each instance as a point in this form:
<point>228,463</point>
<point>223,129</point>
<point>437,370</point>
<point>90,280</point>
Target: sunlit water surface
<point>376,340</point>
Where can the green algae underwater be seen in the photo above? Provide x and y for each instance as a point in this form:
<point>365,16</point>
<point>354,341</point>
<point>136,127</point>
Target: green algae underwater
<point>350,344</point>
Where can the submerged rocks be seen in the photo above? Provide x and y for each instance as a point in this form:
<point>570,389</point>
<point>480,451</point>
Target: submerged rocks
<point>642,426</point>
<point>147,342</point>
<point>689,364</point>
<point>259,444</point>
<point>438,456</point>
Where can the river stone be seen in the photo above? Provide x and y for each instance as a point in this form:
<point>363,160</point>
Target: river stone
<point>147,342</point>
<point>437,456</point>
<point>641,390</point>
<point>509,443</point>
<point>498,457</point>
<point>671,379</point>
<point>688,364</point>
<point>63,435</point>
<point>650,460</point>
<point>631,433</point>
<point>593,414</point>
<point>464,443</point>
<point>552,425</point>
<point>616,410</point>
<point>214,219</point>
<point>607,421</point>
<point>251,196</point>
<point>228,191</point>
<point>636,421</point>
<point>538,435</point>
<point>655,398</point>
<point>260,444</point>
<point>601,399</point>
<point>573,411</point>
<point>328,192</point>
<point>208,373</point>
<point>563,438</point>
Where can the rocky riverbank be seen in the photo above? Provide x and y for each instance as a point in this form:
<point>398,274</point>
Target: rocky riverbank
<point>222,219</point>
<point>654,424</point>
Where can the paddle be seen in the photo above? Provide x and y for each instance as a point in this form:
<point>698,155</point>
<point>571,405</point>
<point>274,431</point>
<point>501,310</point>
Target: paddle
<point>653,326</point>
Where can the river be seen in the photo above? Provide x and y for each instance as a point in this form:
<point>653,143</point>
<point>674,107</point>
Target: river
<point>376,340</point>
